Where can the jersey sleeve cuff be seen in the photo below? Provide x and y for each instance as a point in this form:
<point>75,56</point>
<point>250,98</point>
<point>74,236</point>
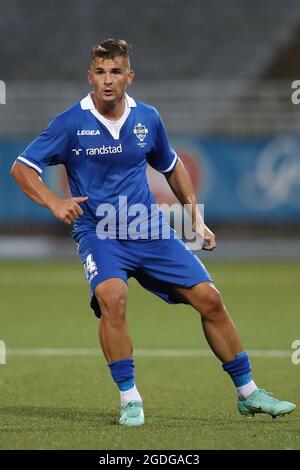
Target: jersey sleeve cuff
<point>30,164</point>
<point>172,164</point>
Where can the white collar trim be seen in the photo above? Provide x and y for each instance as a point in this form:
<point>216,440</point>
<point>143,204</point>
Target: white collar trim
<point>87,103</point>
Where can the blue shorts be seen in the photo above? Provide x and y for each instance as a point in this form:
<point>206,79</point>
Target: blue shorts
<point>158,265</point>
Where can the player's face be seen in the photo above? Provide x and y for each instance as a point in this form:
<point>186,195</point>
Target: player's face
<point>110,78</point>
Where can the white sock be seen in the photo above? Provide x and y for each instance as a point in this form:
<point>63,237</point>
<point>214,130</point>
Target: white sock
<point>245,391</point>
<point>130,395</point>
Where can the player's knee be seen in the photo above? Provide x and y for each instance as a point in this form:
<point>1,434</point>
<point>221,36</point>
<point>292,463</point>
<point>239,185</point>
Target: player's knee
<point>112,303</point>
<point>211,305</point>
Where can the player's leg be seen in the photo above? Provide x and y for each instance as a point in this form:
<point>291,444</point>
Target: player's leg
<point>106,271</point>
<point>113,328</point>
<point>168,263</point>
<point>116,345</point>
<point>220,333</point>
<point>218,327</point>
<point>224,340</point>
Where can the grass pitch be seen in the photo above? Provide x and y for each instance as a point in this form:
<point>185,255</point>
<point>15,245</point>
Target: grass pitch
<point>70,402</point>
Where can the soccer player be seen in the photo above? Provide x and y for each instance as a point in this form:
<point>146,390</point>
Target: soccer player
<point>105,142</point>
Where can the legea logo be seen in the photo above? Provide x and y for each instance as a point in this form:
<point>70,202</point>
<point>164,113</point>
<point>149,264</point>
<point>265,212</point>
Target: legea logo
<point>88,132</point>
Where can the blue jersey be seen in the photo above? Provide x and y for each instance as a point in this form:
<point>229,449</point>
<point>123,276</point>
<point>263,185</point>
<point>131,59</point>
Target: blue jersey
<point>103,164</point>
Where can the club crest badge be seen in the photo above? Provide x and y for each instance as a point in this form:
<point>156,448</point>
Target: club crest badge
<point>140,131</point>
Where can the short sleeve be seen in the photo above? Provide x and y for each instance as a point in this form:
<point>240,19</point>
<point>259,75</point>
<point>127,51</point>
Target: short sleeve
<point>162,157</point>
<point>49,148</point>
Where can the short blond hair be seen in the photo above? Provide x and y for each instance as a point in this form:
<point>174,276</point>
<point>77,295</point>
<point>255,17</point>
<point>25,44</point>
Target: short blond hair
<point>110,49</point>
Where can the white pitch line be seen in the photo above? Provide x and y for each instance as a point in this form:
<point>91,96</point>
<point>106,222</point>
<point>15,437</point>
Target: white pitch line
<point>48,352</point>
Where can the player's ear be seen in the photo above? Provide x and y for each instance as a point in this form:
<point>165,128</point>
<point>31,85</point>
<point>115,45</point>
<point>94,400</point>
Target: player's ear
<point>130,76</point>
<point>89,76</point>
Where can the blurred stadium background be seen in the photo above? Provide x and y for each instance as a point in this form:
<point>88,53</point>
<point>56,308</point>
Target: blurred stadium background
<point>220,74</point>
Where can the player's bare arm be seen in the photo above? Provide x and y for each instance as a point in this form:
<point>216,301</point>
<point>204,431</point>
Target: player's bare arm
<point>65,210</point>
<point>182,187</point>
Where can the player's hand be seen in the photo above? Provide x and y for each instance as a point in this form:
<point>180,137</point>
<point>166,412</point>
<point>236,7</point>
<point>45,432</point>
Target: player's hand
<point>68,210</point>
<point>209,240</point>
<point>206,234</point>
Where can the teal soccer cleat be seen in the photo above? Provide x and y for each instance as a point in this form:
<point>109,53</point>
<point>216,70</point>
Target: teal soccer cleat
<point>261,401</point>
<point>132,414</point>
